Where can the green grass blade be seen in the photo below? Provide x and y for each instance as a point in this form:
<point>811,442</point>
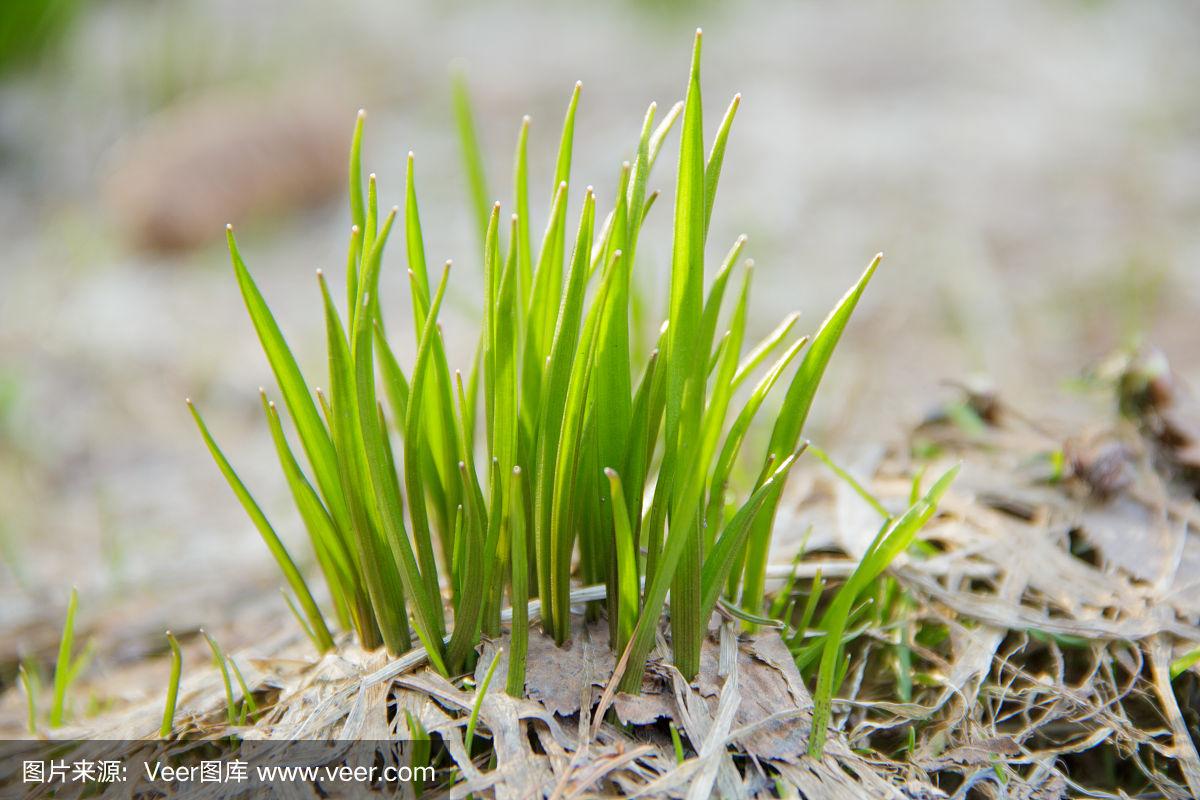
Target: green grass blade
<point>168,720</point>
<point>853,482</point>
<point>223,667</point>
<point>504,347</point>
<point>716,294</point>
<point>552,408</point>
<point>892,540</point>
<point>415,244</point>
<point>492,269</point>
<point>789,425</point>
<point>542,315</point>
<point>377,565</point>
<point>737,434</point>
<point>762,351</point>
<point>575,455</point>
<point>480,693</point>
<point>471,153</point>
<point>314,438</point>
<point>659,137</point>
<point>439,435</point>
<point>466,617</point>
<point>635,192</point>
<point>294,579</point>
<point>521,208</point>
<point>810,606</point>
<point>519,596</point>
<point>1183,663</point>
<point>370,235</point>
<point>562,167</point>
<point>358,214</point>
<point>628,590</point>
<point>62,667</point>
<point>395,385</point>
<point>720,561</point>
<point>247,696</point>
<point>782,601</point>
<point>684,389</point>
<point>686,375</point>
<point>27,685</point>
<point>716,157</point>
<point>420,582</point>
<point>332,555</point>
<point>353,254</point>
<point>299,617</point>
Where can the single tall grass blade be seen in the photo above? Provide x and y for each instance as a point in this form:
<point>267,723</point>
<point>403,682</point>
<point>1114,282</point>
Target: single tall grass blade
<point>63,667</point>
<point>471,153</point>
<point>788,427</point>
<point>295,580</point>
<point>314,438</point>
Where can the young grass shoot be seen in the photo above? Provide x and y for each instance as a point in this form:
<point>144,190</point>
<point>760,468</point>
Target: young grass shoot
<point>565,453</point>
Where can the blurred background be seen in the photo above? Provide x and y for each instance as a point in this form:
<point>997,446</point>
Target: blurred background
<point>1031,171</point>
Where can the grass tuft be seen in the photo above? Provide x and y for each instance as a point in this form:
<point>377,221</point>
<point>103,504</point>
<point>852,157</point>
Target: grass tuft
<point>573,447</point>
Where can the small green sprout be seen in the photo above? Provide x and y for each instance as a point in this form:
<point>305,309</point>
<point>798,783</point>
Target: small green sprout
<point>220,662</point>
<point>168,720</point>
<point>67,668</point>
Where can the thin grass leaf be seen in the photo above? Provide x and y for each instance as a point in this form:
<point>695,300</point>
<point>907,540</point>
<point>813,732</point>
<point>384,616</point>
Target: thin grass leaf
<point>745,616</point>
<point>716,293</point>
<point>420,583</point>
<point>716,158</point>
<point>299,617</point>
<point>782,601</point>
<point>219,661</point>
<point>168,720</point>
<point>815,591</point>
<point>377,566</point>
<point>353,254</point>
<point>62,666</point>
<point>676,742</point>
<point>853,482</point>
<point>892,540</point>
<point>27,685</point>
<point>1184,663</point>
<point>789,425</point>
<point>332,555</point>
<point>472,155</point>
<point>763,349</point>
<point>542,317</point>
<point>294,579</point>
<point>358,214</point>
<point>248,701</point>
<point>566,144</point>
<point>462,638</point>
<point>480,693</point>
<point>659,137</point>
<point>551,422</point>
<point>685,389</point>
<point>519,593</point>
<point>732,540</point>
<point>573,454</point>
<point>628,590</point>
<point>521,209</point>
<point>314,438</point>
